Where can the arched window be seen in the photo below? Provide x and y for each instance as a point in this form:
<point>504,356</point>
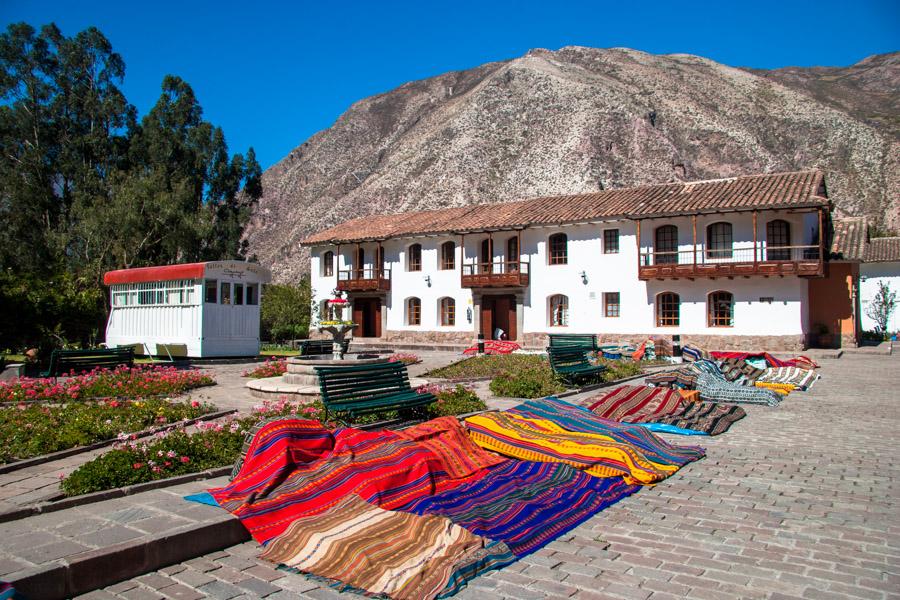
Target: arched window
<point>720,309</point>
<point>778,240</point>
<point>559,251</point>
<point>328,264</point>
<point>413,311</point>
<point>448,256</point>
<point>512,254</point>
<point>665,245</point>
<point>718,240</point>
<point>414,258</point>
<point>668,309</point>
<point>448,312</point>
<point>559,311</point>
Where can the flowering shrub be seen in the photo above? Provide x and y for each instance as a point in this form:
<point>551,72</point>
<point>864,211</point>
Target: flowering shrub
<point>28,430</point>
<point>405,358</point>
<point>534,381</point>
<point>272,367</point>
<point>167,454</point>
<point>452,400</point>
<point>140,381</point>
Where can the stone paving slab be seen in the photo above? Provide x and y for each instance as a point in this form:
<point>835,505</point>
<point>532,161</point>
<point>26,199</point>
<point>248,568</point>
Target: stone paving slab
<point>798,501</point>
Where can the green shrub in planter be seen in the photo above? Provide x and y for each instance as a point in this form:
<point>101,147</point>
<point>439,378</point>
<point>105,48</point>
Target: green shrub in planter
<point>451,401</point>
<point>529,382</point>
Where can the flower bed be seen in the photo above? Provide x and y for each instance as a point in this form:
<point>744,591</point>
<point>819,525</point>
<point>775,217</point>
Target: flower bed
<point>537,379</point>
<point>272,367</point>
<point>405,358</point>
<point>36,429</point>
<point>218,444</point>
<point>140,381</point>
<point>488,366</point>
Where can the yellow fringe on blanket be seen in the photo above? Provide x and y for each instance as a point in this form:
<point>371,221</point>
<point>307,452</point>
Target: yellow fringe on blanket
<point>782,388</point>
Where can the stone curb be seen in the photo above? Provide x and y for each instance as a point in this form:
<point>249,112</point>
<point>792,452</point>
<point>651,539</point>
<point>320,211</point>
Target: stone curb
<point>53,506</point>
<point>45,458</point>
<point>97,569</point>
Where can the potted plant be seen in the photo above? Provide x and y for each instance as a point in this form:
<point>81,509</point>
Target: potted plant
<point>824,338</point>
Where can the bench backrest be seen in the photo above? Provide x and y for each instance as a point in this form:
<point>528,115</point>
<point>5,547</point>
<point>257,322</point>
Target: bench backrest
<point>65,361</point>
<point>310,347</point>
<point>584,340</point>
<point>567,356</point>
<point>371,382</point>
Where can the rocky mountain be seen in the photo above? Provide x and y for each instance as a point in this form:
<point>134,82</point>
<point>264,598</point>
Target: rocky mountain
<point>578,120</point>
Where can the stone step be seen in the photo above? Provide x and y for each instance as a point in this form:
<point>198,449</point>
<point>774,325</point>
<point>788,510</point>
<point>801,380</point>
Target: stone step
<point>74,551</point>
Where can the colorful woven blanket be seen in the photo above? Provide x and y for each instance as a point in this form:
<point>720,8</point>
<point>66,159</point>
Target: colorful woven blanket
<point>447,438</point>
<point>682,378</point>
<point>380,552</point>
<point>296,468</point>
<point>553,431</point>
<point>525,504</point>
<point>635,403</point>
<point>738,370</point>
<point>641,404</point>
<point>803,362</point>
<point>494,347</point>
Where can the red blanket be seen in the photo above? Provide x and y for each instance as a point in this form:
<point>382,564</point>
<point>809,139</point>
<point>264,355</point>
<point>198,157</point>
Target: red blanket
<point>494,347</point>
<point>802,362</point>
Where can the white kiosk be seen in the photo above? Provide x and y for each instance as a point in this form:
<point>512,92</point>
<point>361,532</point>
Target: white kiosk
<point>196,310</point>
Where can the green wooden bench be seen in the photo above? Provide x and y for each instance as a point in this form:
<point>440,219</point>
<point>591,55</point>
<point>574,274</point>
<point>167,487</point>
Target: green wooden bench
<point>571,363</point>
<point>365,389</point>
<point>63,362</point>
<point>311,347</point>
<point>587,341</point>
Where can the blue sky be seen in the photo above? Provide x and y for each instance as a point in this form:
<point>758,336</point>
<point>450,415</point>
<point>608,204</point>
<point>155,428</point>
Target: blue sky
<point>271,74</point>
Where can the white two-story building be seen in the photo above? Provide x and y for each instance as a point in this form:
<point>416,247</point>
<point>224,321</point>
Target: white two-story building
<point>723,264</point>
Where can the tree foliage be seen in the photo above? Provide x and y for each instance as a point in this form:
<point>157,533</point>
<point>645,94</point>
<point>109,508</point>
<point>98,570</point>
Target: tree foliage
<point>86,187</point>
<point>882,307</point>
<point>285,311</point>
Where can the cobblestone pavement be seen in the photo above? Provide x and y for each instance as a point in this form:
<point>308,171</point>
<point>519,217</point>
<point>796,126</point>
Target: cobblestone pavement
<point>799,501</point>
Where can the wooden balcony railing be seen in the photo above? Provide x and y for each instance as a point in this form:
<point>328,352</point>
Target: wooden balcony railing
<point>364,280</point>
<point>803,261</point>
<point>496,275</point>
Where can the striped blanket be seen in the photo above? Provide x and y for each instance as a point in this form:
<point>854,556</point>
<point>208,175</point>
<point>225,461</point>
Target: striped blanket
<point>380,552</point>
<point>494,347</point>
<point>447,438</point>
<point>682,378</point>
<point>635,403</point>
<point>801,379</point>
<point>295,468</point>
<point>803,362</point>
<point>638,404</point>
<point>550,430</point>
<point>525,504</point>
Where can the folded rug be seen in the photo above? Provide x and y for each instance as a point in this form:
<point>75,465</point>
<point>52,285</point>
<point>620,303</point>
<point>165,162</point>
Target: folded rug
<point>682,378</point>
<point>296,468</point>
<point>641,404</point>
<point>714,388</point>
<point>525,504</point>
<point>380,552</point>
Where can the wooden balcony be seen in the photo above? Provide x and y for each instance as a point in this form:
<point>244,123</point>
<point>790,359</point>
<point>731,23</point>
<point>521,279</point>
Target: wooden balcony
<point>512,274</point>
<point>364,280</point>
<point>801,261</point>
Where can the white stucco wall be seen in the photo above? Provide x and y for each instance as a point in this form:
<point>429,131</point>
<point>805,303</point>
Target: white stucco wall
<point>785,315</point>
<point>870,275</point>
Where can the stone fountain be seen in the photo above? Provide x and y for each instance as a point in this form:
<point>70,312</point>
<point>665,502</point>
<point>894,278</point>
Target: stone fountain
<point>301,383</point>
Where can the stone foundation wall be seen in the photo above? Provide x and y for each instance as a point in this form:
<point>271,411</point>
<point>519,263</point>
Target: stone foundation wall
<point>429,337</point>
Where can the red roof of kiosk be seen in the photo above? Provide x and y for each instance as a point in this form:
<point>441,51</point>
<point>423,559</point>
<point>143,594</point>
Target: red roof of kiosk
<point>145,274</point>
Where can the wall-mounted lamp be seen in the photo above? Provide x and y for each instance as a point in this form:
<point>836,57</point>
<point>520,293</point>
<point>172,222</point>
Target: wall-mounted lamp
<point>583,277</point>
<point>428,280</point>
<point>469,315</point>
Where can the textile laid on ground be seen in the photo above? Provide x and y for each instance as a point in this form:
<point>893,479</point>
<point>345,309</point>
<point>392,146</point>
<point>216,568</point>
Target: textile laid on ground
<point>683,377</point>
<point>802,379</point>
<point>738,370</point>
<point>803,362</point>
<point>525,504</point>
<point>635,403</point>
<point>549,430</point>
<point>641,404</point>
<point>495,347</point>
<point>690,353</point>
<point>447,438</point>
<point>716,389</point>
<point>296,468</point>
<point>397,554</point>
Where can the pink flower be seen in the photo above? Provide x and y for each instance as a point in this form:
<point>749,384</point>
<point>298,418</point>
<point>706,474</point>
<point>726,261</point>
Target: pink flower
<point>194,404</point>
<point>185,459</point>
<point>137,465</point>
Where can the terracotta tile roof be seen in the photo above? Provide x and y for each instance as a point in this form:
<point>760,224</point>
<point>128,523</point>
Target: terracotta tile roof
<point>797,189</point>
<point>883,250</point>
<point>848,238</point>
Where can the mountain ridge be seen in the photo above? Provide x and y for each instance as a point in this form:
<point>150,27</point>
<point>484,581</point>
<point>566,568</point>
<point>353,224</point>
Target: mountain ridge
<point>577,120</point>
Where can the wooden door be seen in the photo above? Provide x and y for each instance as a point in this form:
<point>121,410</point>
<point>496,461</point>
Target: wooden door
<point>487,317</point>
<point>498,311</point>
<point>373,318</point>
<point>358,316</point>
